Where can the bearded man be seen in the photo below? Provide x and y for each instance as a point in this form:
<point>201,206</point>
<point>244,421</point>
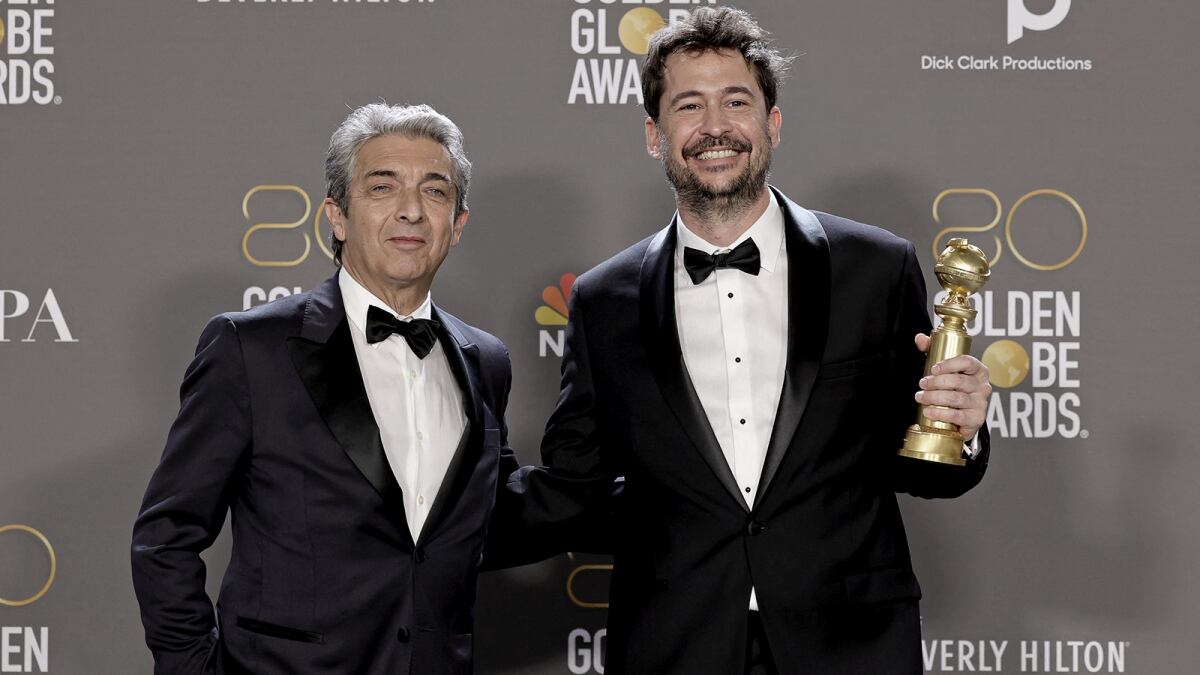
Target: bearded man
<point>750,370</point>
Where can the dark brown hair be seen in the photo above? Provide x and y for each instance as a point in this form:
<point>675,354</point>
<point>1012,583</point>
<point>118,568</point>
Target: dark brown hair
<point>710,29</point>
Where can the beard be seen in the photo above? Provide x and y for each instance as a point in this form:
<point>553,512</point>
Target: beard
<point>708,201</point>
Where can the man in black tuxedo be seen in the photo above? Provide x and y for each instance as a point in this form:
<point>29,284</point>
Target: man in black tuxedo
<point>750,371</point>
<point>355,433</point>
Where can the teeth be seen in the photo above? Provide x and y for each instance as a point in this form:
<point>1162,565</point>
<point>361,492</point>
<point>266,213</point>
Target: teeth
<point>716,154</point>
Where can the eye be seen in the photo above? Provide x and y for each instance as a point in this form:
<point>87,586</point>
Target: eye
<point>690,106</point>
<point>381,188</point>
<point>436,192</point>
<point>737,104</point>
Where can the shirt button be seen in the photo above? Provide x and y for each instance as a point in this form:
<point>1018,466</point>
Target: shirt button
<point>747,490</point>
<point>731,295</point>
<point>420,436</point>
<point>737,359</point>
<point>743,420</point>
<point>421,498</point>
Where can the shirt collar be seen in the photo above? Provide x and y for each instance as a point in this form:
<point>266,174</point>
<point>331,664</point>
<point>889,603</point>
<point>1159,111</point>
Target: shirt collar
<point>357,300</point>
<point>767,233</point>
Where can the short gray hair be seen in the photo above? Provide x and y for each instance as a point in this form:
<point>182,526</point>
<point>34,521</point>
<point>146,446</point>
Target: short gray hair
<point>380,119</point>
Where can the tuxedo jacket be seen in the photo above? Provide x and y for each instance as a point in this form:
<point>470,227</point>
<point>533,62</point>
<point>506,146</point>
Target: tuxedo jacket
<point>275,428</point>
<point>823,545</point>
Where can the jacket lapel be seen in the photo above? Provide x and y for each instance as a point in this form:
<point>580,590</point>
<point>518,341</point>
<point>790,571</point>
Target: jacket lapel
<point>808,325</point>
<point>463,357</point>
<point>323,355</point>
<point>660,334</point>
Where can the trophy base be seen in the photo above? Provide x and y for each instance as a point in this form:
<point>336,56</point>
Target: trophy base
<point>932,446</point>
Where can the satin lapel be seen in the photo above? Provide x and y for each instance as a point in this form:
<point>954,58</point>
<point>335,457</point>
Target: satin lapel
<point>323,355</point>
<point>808,325</point>
<point>661,337</point>
<point>463,357</point>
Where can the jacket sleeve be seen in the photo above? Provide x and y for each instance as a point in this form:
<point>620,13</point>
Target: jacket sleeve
<point>185,504</point>
<point>913,476</point>
<point>564,505</point>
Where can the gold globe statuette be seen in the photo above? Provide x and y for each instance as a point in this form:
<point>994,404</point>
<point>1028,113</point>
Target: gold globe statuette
<point>961,269</point>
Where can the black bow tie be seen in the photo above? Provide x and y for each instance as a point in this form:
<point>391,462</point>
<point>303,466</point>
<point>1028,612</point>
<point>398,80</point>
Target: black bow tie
<point>421,334</point>
<point>700,264</point>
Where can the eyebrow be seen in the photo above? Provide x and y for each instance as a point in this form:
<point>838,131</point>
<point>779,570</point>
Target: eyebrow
<point>736,89</point>
<point>388,173</point>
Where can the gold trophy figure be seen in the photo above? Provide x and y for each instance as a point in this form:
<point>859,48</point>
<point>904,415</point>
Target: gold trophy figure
<point>961,269</point>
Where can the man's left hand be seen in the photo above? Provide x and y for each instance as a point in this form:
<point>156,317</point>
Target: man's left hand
<point>957,391</point>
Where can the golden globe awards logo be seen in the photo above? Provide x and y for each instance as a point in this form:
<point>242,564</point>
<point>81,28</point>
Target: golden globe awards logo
<point>26,45</point>
<point>24,649</point>
<point>608,40</point>
<point>1032,337</point>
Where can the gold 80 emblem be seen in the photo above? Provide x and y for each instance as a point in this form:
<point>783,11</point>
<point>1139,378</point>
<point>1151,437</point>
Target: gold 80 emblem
<point>1008,225</point>
<point>298,223</point>
<point>583,569</point>
<point>53,565</point>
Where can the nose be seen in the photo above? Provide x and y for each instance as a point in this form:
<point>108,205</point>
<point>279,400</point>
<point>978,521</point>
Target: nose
<point>716,121</point>
<point>409,207</point>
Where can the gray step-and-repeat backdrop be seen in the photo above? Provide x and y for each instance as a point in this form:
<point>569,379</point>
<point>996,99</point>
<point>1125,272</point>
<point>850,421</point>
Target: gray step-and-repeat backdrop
<point>160,162</point>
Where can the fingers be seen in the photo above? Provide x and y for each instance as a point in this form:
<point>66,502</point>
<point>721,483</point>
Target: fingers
<point>957,391</point>
<point>922,341</point>
<point>964,363</point>
<point>948,398</point>
<point>968,420</point>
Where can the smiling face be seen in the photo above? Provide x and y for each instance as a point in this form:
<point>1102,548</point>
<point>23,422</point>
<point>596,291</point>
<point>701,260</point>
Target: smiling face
<point>401,221</point>
<point>714,134</point>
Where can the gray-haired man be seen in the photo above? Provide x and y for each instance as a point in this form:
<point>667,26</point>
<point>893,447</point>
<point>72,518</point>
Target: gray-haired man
<point>355,433</point>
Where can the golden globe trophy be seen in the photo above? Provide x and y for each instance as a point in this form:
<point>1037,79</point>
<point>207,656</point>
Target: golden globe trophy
<point>961,269</point>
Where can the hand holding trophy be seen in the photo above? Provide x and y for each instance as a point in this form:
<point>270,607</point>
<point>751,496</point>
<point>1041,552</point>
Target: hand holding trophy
<point>961,269</point>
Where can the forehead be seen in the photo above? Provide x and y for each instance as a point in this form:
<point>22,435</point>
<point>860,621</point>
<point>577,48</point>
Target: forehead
<point>397,153</point>
<point>708,70</point>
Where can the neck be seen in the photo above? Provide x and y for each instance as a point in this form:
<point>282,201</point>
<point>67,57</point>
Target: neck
<point>403,300</point>
<point>722,226</point>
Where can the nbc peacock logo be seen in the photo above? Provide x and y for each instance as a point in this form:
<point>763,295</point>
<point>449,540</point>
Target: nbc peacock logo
<point>552,317</point>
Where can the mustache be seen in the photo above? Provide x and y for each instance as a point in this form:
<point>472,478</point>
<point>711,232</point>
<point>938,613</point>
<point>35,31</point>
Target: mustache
<point>710,142</point>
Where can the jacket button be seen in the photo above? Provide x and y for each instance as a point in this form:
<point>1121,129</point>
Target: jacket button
<point>755,528</point>
<point>402,634</point>
<point>419,555</point>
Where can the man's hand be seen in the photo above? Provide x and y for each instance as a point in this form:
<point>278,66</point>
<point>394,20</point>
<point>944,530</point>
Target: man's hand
<point>957,391</point>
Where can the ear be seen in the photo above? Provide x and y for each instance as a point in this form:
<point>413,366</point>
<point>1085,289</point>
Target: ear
<point>652,139</point>
<point>774,124</point>
<point>337,221</point>
<point>459,221</point>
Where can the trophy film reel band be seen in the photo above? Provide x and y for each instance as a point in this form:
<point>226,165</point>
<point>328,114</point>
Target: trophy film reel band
<point>53,565</point>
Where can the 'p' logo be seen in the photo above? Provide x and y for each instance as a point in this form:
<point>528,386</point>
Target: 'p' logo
<point>1020,18</point>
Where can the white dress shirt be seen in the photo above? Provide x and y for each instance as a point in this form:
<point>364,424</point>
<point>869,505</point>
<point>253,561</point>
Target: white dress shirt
<point>733,332</point>
<point>417,403</point>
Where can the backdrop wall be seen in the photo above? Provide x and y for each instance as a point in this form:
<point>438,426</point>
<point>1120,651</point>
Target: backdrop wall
<point>160,162</point>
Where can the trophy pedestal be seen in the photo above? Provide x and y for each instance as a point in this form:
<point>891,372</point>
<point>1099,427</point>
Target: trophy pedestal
<point>933,445</point>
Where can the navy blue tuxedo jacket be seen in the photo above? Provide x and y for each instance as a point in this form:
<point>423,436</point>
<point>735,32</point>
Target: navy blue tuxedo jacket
<point>823,544</point>
<point>275,428</point>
